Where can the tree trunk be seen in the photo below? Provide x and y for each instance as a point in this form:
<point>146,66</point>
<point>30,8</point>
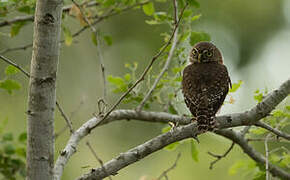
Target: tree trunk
<point>42,90</point>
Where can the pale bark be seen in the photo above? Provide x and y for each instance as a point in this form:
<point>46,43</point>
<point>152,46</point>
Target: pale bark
<point>246,118</point>
<point>42,90</point>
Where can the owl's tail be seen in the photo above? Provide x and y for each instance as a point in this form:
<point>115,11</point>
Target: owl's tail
<point>205,119</point>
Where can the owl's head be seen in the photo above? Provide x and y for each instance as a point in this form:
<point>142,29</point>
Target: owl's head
<point>205,52</point>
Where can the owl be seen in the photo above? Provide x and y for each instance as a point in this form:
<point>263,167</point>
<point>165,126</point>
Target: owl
<point>205,84</point>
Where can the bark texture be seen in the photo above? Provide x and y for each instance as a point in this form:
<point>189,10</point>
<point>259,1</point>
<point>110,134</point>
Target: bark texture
<point>42,90</point>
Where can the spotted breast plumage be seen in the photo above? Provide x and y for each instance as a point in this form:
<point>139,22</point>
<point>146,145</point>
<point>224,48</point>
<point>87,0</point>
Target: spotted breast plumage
<point>205,84</point>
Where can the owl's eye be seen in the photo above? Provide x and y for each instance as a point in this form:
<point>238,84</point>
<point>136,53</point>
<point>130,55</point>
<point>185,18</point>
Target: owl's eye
<point>208,53</point>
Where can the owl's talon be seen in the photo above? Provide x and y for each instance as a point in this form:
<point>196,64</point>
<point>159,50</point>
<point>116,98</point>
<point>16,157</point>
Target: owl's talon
<point>173,125</point>
<point>193,119</point>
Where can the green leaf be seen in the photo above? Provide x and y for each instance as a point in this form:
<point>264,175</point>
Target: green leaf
<point>10,85</point>
<point>3,124</point>
<point>15,28</point>
<point>9,149</point>
<point>160,16</point>
<point>127,77</point>
<point>21,151</point>
<point>285,162</point>
<point>172,110</point>
<point>278,113</point>
<point>258,131</point>
<point>236,86</point>
<point>196,17</point>
<point>108,3</point>
<point>194,151</point>
<point>152,22</point>
<point>22,137</point>
<point>236,167</point>
<point>68,39</point>
<point>260,175</point>
<point>94,39</point>
<point>115,80</point>
<point>196,37</point>
<point>108,40</point>
<point>26,9</point>
<point>11,70</point>
<point>193,3</point>
<point>148,8</point>
<point>258,96</point>
<point>7,137</point>
<point>172,146</point>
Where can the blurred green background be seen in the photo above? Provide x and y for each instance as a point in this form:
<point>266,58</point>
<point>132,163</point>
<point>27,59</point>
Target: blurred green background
<point>254,37</point>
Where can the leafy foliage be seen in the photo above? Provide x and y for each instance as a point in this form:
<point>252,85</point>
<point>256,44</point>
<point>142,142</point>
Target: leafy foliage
<point>194,151</point>
<point>12,155</point>
<point>9,84</point>
<point>279,156</point>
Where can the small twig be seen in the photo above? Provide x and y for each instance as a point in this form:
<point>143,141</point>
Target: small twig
<point>269,140</point>
<point>98,159</point>
<point>219,157</point>
<point>16,48</point>
<point>101,58</point>
<point>57,134</point>
<point>65,9</point>
<point>67,120</point>
<point>15,65</point>
<point>245,130</point>
<point>278,149</point>
<point>98,47</point>
<point>267,156</point>
<point>28,76</point>
<point>102,105</point>
<point>141,78</point>
<point>168,60</point>
<point>98,20</point>
<point>164,174</point>
<point>273,130</point>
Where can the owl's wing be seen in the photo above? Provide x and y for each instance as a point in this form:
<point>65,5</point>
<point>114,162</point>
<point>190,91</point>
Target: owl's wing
<point>219,88</point>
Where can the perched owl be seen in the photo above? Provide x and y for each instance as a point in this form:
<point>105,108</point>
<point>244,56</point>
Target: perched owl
<point>205,84</point>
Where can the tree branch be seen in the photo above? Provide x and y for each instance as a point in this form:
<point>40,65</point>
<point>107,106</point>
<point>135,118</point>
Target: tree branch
<point>5,59</point>
<point>98,20</point>
<point>146,70</point>
<point>273,130</point>
<point>164,174</point>
<point>188,131</point>
<point>168,60</point>
<point>240,140</point>
<point>97,158</point>
<point>219,157</point>
<point>65,9</point>
<point>8,61</point>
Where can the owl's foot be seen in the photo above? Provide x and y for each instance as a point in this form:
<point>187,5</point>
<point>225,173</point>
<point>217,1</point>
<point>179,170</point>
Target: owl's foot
<point>173,125</point>
<point>193,119</point>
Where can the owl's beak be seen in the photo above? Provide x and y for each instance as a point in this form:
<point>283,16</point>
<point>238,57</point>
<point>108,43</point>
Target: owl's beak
<point>199,58</point>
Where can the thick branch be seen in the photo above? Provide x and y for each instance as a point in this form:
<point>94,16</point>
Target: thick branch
<point>187,131</point>
<point>141,151</point>
<point>42,90</point>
